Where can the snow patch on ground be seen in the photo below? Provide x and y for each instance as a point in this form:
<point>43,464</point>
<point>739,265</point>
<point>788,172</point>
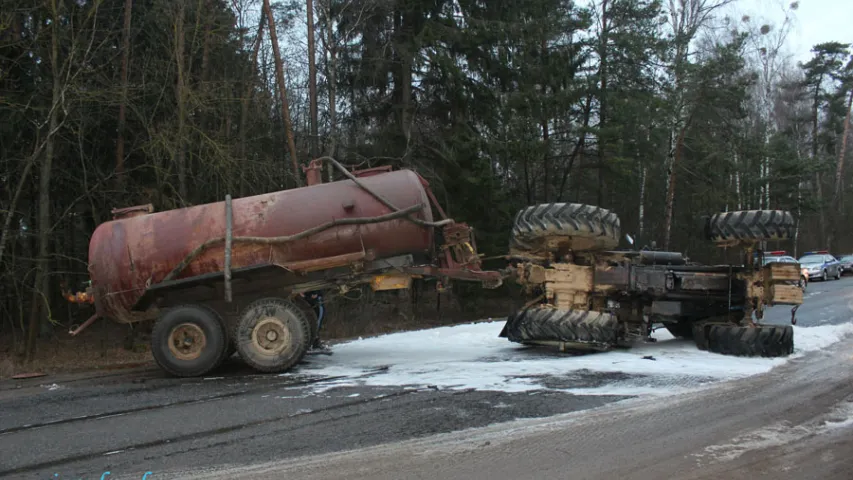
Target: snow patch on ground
<point>777,435</point>
<point>472,356</point>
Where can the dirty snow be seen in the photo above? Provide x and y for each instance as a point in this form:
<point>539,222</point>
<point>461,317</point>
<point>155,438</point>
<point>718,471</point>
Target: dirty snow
<point>778,434</point>
<point>472,356</point>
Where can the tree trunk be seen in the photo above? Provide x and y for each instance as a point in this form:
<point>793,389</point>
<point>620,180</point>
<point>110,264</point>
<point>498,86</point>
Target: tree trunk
<point>125,56</point>
<point>641,229</point>
<point>331,68</point>
<point>577,151</point>
<point>818,186</point>
<point>41,293</point>
<point>670,190</point>
<point>839,170</point>
<point>13,206</point>
<point>545,162</point>
<point>246,100</point>
<point>602,100</point>
<point>205,50</point>
<point>282,92</point>
<point>312,81</point>
<point>180,99</point>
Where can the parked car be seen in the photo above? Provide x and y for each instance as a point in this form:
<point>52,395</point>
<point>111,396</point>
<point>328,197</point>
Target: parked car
<point>846,263</point>
<point>821,265</point>
<point>781,256</point>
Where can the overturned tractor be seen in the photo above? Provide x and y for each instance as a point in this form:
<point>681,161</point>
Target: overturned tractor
<point>239,276</point>
<point>588,296</point>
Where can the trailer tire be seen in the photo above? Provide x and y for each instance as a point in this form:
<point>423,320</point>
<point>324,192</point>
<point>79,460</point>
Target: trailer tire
<point>204,341</point>
<point>552,324</point>
<point>574,226</point>
<point>310,314</point>
<point>750,225</point>
<point>230,350</point>
<point>760,341</point>
<point>272,335</point>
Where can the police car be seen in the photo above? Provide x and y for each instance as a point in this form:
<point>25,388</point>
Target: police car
<point>821,264</point>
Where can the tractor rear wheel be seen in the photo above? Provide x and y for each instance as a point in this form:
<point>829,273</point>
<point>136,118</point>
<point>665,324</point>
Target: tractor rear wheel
<point>551,227</point>
<point>750,225</point>
<point>272,335</point>
<point>759,341</point>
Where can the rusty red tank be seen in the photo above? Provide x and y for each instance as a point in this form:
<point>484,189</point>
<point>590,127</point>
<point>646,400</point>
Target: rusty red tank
<point>129,254</point>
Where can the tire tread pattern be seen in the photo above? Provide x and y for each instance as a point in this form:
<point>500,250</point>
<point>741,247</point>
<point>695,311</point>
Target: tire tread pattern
<point>751,225</point>
<point>760,341</point>
<point>564,219</point>
<point>161,357</point>
<point>551,324</point>
<point>242,335</point>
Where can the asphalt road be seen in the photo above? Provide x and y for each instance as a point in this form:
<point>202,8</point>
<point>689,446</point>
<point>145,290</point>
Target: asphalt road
<point>132,422</point>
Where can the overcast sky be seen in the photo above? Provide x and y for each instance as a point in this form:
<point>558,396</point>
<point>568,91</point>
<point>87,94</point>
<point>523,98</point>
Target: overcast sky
<point>815,21</point>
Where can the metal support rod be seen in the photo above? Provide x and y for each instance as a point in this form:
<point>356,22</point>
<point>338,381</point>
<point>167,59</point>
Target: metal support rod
<point>85,324</point>
<point>228,237</point>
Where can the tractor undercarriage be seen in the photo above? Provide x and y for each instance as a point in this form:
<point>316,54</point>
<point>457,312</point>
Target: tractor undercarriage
<point>589,297</point>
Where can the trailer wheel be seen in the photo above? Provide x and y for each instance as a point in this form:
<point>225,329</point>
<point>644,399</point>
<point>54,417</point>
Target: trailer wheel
<point>750,225</point>
<point>310,314</point>
<point>760,341</point>
<point>189,340</point>
<point>554,226</point>
<point>272,335</point>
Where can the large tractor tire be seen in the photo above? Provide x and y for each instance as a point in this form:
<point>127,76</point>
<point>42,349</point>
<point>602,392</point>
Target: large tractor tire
<point>760,341</point>
<point>552,226</point>
<point>189,341</point>
<point>272,335</point>
<point>748,225</point>
<point>540,324</point>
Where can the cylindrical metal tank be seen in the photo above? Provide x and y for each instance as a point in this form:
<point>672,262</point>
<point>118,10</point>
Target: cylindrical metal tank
<point>127,255</point>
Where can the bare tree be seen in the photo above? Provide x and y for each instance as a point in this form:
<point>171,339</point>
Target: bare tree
<point>312,80</point>
<point>125,55</point>
<point>282,92</point>
<point>180,97</point>
<point>686,18</point>
<point>247,98</point>
<point>839,168</point>
<point>61,78</point>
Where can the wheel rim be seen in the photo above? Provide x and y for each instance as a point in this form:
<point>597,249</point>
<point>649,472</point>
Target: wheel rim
<point>271,336</point>
<point>187,341</point>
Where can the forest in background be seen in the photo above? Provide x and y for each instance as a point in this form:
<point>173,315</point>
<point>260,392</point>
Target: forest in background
<point>662,111</point>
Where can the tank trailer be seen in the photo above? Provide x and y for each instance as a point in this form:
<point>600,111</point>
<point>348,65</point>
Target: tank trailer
<point>239,275</point>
